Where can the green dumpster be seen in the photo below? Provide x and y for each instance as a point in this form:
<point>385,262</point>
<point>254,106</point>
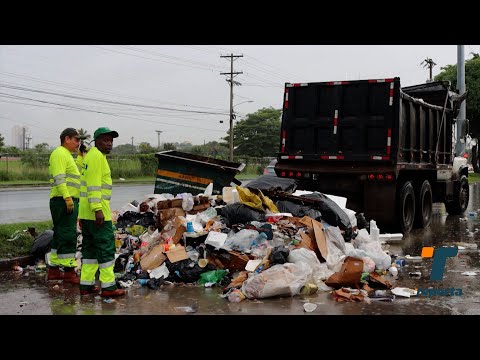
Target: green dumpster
<point>180,172</point>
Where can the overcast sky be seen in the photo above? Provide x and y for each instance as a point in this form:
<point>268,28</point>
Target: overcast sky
<point>178,89</point>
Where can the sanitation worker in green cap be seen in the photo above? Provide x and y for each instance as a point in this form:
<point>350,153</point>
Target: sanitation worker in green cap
<point>98,245</point>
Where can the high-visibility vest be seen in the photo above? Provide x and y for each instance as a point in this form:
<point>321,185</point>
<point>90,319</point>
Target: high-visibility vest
<point>95,186</point>
<point>64,174</point>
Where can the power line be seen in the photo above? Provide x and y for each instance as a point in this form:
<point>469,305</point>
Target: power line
<point>148,58</point>
<point>96,90</point>
<point>112,114</point>
<point>21,88</point>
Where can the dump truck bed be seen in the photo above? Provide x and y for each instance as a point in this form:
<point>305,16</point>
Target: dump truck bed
<point>362,122</point>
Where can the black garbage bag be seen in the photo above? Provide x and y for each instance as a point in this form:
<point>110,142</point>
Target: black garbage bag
<point>298,210</point>
<point>130,218</point>
<point>42,244</point>
<point>279,255</point>
<point>273,183</point>
<point>180,271</point>
<point>362,223</point>
<point>240,214</point>
<point>331,212</point>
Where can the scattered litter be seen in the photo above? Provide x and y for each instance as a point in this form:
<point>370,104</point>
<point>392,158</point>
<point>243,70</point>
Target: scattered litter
<point>108,300</point>
<point>17,268</point>
<point>413,258</point>
<point>22,303</point>
<point>404,292</point>
<point>393,271</point>
<point>56,287</point>
<point>391,237</point>
<point>469,273</point>
<point>416,274</point>
<point>309,307</point>
<point>187,309</point>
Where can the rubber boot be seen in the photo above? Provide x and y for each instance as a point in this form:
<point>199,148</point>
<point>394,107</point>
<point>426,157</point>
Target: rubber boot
<point>54,273</point>
<point>112,293</point>
<point>70,276</point>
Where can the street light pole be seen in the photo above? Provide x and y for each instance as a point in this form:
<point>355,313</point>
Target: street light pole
<point>158,133</point>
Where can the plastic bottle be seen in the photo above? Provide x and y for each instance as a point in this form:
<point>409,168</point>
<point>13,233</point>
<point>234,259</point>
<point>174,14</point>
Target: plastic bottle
<point>374,231</point>
<point>190,227</point>
<point>259,239</point>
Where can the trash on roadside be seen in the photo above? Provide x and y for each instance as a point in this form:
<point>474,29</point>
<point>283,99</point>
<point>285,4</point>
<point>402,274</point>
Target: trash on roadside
<point>404,292</point>
<point>309,307</point>
<point>469,273</point>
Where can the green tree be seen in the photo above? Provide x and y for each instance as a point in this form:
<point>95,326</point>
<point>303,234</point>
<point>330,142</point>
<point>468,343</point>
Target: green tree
<point>169,146</point>
<point>146,148</point>
<point>258,134</point>
<point>2,143</point>
<point>42,147</point>
<point>123,149</point>
<point>472,84</point>
<point>84,132</point>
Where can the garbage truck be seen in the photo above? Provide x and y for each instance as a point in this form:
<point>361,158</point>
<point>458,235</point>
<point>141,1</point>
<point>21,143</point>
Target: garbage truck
<point>388,149</point>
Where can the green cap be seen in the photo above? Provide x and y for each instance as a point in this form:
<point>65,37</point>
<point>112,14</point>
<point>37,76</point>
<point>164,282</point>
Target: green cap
<point>104,130</point>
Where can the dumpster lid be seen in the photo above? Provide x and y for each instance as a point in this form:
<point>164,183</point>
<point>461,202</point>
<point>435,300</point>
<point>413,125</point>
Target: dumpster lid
<point>216,163</point>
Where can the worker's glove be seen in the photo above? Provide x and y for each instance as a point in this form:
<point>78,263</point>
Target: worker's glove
<point>69,203</point>
<point>99,218</point>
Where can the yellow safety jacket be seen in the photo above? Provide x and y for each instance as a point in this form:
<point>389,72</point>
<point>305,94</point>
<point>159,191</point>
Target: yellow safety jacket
<point>64,174</point>
<point>95,186</point>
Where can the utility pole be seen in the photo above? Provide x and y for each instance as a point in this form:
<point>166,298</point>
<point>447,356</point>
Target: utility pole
<point>24,138</point>
<point>158,133</point>
<point>460,145</point>
<point>430,64</point>
<point>133,149</point>
<point>231,73</point>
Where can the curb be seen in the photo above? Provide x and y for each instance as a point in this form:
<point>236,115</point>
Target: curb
<point>8,264</point>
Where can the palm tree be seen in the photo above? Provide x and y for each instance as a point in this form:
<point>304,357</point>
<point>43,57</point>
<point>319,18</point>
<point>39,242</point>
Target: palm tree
<point>84,132</point>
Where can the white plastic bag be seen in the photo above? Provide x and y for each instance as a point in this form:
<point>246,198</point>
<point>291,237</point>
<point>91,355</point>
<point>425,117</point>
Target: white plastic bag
<point>335,248</point>
<point>279,280</point>
<point>320,271</point>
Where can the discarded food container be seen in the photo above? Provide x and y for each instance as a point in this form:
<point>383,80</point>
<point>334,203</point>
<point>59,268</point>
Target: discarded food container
<point>180,172</point>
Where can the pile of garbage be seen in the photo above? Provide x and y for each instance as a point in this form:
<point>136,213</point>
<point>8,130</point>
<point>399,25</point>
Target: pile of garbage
<point>259,241</point>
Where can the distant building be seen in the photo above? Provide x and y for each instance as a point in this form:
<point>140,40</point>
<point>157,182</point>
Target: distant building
<point>18,136</point>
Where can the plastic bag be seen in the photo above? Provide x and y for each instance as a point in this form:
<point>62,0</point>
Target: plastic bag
<point>240,214</point>
<point>42,244</point>
<point>213,276</point>
<point>273,183</point>
<point>320,271</point>
<point>279,280</point>
<point>331,212</point>
<point>372,249</point>
<point>241,241</point>
<point>336,251</point>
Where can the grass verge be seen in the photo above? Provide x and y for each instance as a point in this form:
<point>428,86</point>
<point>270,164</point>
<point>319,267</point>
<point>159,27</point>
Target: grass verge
<point>473,178</point>
<point>22,245</point>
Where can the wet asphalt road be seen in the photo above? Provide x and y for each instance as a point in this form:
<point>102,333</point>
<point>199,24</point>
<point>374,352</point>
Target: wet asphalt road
<point>30,293</point>
<point>20,205</point>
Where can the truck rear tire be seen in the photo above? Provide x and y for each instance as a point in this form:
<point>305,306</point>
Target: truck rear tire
<point>423,213</point>
<point>460,198</point>
<point>406,207</point>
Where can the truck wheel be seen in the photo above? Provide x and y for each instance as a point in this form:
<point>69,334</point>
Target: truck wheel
<point>406,207</point>
<point>460,198</point>
<point>423,214</point>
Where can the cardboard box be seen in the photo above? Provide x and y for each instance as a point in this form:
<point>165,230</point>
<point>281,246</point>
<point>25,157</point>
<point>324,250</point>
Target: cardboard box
<point>164,215</point>
<point>349,274</point>
<point>154,258</point>
<point>177,253</point>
